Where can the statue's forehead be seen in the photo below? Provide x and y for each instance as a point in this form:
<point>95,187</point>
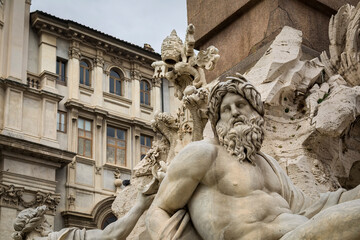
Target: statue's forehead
<point>231,97</point>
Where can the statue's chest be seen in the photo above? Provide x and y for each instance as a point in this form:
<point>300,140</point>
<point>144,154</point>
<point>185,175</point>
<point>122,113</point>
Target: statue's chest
<point>236,179</point>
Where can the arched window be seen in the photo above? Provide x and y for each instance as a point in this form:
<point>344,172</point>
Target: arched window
<point>110,218</point>
<point>144,92</point>
<point>84,73</point>
<point>115,83</point>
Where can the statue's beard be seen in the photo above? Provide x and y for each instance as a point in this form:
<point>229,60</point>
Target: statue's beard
<point>242,137</point>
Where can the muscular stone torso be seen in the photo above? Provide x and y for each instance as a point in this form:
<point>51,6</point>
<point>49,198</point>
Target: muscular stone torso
<point>240,201</point>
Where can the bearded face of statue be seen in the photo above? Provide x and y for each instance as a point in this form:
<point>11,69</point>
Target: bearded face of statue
<point>240,127</point>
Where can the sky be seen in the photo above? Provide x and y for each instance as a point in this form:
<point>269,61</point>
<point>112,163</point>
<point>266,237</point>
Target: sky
<point>134,21</point>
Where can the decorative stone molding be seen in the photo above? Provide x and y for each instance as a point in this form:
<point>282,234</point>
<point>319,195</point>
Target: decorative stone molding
<point>48,80</point>
<point>107,72</point>
<point>117,60</point>
<point>71,202</point>
<point>74,53</point>
<point>72,165</point>
<point>12,196</point>
<point>43,22</point>
<point>99,121</point>
<point>157,82</point>
<point>74,114</point>
<point>98,170</point>
<point>74,50</point>
<point>117,182</point>
<point>135,74</point>
<point>99,62</point>
<point>127,79</point>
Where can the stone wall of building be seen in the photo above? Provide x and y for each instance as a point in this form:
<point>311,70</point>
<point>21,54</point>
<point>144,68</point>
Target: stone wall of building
<point>69,131</point>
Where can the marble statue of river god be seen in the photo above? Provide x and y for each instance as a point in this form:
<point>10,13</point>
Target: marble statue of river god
<point>226,188</point>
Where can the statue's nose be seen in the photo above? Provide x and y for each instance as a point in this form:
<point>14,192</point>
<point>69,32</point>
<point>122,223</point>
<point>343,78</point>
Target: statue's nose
<point>235,111</point>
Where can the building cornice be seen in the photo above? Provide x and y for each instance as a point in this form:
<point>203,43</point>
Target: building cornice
<point>44,22</point>
<point>26,88</point>
<point>37,150</point>
<point>75,104</point>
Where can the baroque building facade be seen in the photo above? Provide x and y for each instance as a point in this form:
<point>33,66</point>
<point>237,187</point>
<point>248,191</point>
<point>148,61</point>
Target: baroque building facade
<point>75,112</point>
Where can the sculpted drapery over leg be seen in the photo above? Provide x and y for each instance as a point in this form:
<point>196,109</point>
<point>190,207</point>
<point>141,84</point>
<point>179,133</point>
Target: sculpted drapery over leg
<point>225,188</point>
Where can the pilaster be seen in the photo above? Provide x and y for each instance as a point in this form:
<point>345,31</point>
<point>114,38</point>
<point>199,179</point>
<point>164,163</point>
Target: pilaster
<point>74,70</point>
<point>136,78</point>
<point>157,93</point>
<point>14,42</point>
<point>98,78</point>
<point>47,53</point>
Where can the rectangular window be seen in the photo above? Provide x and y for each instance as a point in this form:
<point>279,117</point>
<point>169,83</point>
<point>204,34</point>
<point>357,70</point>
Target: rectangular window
<point>145,142</point>
<point>60,70</point>
<point>118,88</point>
<point>112,85</point>
<point>116,146</point>
<point>85,137</point>
<point>144,92</point>
<point>61,122</point>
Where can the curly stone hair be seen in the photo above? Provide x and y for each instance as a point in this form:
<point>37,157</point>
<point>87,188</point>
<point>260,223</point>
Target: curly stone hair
<point>238,85</point>
<point>27,220</point>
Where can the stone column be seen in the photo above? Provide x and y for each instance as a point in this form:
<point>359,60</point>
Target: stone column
<point>98,78</point>
<point>157,95</point>
<point>74,70</point>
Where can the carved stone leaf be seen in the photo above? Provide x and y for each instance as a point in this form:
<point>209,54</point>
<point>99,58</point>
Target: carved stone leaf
<point>208,58</point>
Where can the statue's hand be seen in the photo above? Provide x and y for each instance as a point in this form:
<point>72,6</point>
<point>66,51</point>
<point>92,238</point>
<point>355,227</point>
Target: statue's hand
<point>144,201</point>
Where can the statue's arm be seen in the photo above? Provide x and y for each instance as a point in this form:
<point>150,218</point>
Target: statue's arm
<point>184,174</point>
<point>122,227</point>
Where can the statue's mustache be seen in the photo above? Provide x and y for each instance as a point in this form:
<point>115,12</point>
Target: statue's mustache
<point>238,120</point>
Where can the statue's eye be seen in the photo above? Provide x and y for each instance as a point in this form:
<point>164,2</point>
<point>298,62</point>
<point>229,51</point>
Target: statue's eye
<point>225,108</point>
<point>239,104</point>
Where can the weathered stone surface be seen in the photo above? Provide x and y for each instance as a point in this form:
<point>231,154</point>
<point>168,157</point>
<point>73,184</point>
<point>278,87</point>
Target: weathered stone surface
<point>337,113</point>
<point>281,73</point>
<point>311,128</point>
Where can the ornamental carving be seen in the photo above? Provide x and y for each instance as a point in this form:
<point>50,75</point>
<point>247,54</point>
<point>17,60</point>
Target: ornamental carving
<point>344,45</point>
<point>117,60</point>
<point>181,65</point>
<point>74,53</point>
<point>135,74</point>
<point>99,62</point>
<point>12,196</point>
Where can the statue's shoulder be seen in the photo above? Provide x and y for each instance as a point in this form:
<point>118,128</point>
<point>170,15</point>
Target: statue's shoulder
<point>203,146</point>
<point>196,158</point>
<point>198,152</point>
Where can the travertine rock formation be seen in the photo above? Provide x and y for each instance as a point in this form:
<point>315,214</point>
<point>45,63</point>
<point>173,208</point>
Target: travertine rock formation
<point>311,110</point>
